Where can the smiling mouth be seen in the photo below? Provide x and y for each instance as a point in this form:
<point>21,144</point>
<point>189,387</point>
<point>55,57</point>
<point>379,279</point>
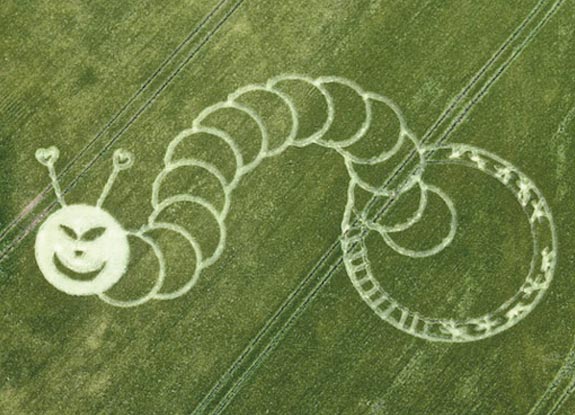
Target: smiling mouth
<point>82,276</point>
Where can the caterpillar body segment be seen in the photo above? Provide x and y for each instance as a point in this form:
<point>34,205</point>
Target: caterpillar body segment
<point>176,160</point>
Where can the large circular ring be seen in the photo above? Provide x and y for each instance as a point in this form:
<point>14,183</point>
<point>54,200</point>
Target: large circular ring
<point>507,314</point>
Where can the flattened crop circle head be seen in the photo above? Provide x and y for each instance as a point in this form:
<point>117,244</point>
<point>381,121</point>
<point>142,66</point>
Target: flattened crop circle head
<point>82,250</point>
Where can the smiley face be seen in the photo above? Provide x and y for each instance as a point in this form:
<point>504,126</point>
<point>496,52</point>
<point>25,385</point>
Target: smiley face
<point>82,250</point>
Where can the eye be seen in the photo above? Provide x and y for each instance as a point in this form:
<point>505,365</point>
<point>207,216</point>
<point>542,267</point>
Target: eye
<point>93,234</point>
<point>69,232</point>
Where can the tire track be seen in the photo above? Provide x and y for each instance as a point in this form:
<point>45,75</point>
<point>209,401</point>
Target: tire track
<point>116,116</point>
<point>14,243</point>
<point>234,388</point>
<point>462,115</point>
<point>515,54</point>
<point>563,398</point>
<point>309,297</point>
<point>452,106</point>
<point>566,373</point>
<point>271,323</point>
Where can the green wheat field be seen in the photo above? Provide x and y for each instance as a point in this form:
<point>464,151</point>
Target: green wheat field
<point>275,326</point>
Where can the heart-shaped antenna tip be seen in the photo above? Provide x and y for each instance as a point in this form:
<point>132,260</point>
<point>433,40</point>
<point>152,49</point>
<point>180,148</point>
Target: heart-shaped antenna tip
<point>47,156</point>
<point>123,159</point>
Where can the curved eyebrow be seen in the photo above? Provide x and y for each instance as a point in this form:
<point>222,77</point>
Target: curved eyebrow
<point>69,231</point>
<point>93,234</point>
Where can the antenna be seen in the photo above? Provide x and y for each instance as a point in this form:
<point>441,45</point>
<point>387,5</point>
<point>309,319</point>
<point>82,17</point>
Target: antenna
<point>48,157</point>
<point>123,160</point>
